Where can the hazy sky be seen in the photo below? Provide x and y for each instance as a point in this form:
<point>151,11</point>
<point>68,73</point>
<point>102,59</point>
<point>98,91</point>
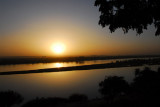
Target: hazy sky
<point>32,27</point>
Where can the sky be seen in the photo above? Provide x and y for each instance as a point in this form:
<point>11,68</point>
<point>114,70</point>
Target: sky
<point>33,27</point>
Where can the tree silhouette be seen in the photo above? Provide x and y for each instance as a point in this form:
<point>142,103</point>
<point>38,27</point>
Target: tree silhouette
<point>45,102</point>
<point>129,14</point>
<point>147,81</point>
<point>113,86</point>
<point>10,98</point>
<point>78,98</point>
<point>144,91</point>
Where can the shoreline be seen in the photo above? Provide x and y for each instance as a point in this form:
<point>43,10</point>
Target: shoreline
<point>117,64</point>
<point>35,60</point>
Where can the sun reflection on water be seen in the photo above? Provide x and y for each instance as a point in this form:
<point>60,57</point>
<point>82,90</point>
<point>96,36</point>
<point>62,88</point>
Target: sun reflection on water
<point>58,65</point>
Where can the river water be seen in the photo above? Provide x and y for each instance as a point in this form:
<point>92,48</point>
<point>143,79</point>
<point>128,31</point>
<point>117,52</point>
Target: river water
<point>61,84</point>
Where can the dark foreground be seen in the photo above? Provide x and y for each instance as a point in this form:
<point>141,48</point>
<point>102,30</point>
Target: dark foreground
<point>117,64</point>
<point>144,91</point>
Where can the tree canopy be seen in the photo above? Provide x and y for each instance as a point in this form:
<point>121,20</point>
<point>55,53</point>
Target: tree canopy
<point>112,86</point>
<point>129,14</point>
<point>10,98</point>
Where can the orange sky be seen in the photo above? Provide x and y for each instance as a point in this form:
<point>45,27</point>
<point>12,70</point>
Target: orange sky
<point>31,28</point>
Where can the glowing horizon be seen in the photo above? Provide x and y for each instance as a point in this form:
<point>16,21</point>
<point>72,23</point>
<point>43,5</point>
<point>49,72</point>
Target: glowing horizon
<point>30,28</point>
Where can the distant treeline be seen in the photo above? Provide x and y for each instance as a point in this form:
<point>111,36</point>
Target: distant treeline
<point>79,59</point>
<point>117,64</point>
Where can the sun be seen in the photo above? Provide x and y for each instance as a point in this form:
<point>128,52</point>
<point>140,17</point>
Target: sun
<point>58,48</point>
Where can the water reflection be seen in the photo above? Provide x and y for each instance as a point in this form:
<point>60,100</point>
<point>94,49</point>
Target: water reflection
<point>63,84</point>
<point>58,65</point>
<point>20,67</point>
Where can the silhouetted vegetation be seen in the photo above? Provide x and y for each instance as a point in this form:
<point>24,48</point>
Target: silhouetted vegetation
<point>78,98</point>
<point>144,91</point>
<point>113,86</point>
<point>10,98</point>
<point>125,63</point>
<point>147,82</point>
<point>74,99</point>
<point>80,59</point>
<point>129,14</point>
<point>46,102</point>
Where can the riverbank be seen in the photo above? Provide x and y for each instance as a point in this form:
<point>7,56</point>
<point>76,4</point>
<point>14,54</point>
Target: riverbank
<point>79,59</point>
<point>117,64</point>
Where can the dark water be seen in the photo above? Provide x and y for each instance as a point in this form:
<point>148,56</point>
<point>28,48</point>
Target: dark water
<point>63,84</point>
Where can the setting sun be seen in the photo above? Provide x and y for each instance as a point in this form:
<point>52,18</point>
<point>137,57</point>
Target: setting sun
<point>58,48</point>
